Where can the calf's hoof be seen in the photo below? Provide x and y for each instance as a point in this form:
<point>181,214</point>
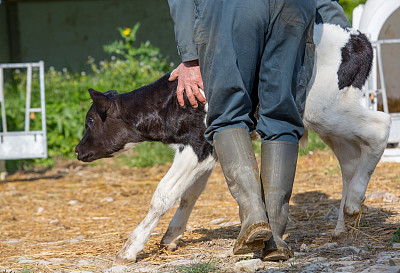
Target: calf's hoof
<point>123,261</point>
<point>338,235</point>
<point>169,247</point>
<point>353,206</point>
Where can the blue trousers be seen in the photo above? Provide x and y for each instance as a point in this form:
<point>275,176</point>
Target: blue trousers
<point>255,50</point>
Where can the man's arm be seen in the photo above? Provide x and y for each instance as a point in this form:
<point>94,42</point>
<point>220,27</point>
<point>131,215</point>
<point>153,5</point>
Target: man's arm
<point>183,14</point>
<point>329,11</point>
<point>188,72</point>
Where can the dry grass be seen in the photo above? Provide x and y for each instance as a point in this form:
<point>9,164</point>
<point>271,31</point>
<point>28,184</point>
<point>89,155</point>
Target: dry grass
<point>37,213</point>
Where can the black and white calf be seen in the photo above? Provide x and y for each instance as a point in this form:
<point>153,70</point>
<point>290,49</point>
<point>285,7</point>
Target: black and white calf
<point>358,136</point>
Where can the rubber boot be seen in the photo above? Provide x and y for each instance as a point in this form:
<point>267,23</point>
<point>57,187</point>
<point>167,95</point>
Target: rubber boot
<point>236,156</point>
<point>278,167</point>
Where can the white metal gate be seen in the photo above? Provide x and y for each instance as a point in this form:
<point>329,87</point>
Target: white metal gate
<point>24,144</point>
<point>374,92</point>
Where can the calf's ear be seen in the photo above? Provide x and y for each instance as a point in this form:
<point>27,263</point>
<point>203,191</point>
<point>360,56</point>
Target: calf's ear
<point>101,101</point>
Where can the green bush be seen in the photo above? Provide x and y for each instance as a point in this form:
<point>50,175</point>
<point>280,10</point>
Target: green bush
<point>67,99</point>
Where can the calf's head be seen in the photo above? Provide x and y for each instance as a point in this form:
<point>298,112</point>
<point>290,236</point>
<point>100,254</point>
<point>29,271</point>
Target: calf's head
<point>106,130</point>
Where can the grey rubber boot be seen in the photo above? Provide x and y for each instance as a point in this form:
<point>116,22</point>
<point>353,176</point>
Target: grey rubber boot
<point>278,167</point>
<point>236,156</point>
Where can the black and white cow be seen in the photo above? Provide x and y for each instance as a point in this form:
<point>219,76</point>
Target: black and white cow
<point>358,136</point>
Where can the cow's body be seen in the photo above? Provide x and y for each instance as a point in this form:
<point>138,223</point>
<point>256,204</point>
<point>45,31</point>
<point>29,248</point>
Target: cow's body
<point>356,135</point>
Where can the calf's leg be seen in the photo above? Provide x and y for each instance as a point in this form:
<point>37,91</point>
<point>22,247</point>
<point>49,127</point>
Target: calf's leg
<point>178,223</point>
<point>348,153</point>
<point>185,170</point>
<point>372,139</point>
<point>358,144</point>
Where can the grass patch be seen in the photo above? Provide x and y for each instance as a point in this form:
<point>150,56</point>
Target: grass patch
<point>368,246</point>
<point>396,236</point>
<point>203,267</point>
<point>27,270</point>
<point>23,270</point>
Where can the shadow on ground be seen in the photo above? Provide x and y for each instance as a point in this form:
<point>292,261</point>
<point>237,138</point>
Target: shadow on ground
<point>313,218</point>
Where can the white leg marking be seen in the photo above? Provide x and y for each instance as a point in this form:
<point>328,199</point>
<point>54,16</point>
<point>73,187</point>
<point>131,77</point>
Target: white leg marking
<point>373,137</point>
<point>178,223</point>
<point>184,171</point>
<point>347,154</point>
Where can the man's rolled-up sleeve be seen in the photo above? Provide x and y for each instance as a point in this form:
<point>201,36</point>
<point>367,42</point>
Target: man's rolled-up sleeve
<point>329,11</point>
<point>183,14</point>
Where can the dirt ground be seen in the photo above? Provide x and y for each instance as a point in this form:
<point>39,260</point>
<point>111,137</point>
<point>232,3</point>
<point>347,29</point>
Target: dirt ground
<point>75,217</point>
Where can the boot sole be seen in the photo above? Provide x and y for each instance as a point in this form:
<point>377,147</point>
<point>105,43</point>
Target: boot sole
<point>253,239</point>
<point>277,255</point>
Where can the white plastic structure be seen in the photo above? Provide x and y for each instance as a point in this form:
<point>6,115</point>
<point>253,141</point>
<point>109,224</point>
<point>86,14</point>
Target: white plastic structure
<point>24,144</point>
<point>379,20</point>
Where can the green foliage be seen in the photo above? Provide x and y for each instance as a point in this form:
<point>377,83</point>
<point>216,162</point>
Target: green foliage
<point>349,5</point>
<point>26,270</point>
<point>146,54</point>
<point>396,236</point>
<point>314,143</point>
<point>146,154</point>
<point>67,99</point>
<point>204,267</point>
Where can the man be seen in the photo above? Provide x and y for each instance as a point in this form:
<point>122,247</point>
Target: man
<point>235,51</point>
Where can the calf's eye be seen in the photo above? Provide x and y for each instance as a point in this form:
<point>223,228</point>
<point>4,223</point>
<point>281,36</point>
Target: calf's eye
<point>90,120</point>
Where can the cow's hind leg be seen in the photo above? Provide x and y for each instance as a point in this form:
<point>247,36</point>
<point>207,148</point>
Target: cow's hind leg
<point>348,154</point>
<point>372,136</point>
<point>358,145</point>
<point>185,170</point>
<point>178,223</point>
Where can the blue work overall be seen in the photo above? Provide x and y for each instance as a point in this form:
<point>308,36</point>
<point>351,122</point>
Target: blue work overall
<point>249,49</point>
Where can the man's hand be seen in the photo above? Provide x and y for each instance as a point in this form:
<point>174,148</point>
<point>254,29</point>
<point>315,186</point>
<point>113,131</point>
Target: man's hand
<point>189,80</point>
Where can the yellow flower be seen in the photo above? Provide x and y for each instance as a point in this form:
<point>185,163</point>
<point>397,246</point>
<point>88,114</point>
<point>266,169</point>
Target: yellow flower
<point>127,31</point>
